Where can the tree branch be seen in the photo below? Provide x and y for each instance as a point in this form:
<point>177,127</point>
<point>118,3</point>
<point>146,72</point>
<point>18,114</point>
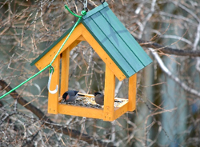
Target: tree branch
<point>176,79</point>
<point>168,50</point>
<point>49,123</point>
<point>161,48</point>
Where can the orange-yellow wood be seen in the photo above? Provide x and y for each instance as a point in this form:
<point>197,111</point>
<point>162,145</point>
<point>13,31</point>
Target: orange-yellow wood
<point>74,44</point>
<point>102,54</point>
<point>53,98</point>
<point>65,72</point>
<point>81,38</point>
<point>109,93</point>
<point>46,59</point>
<point>132,92</point>
<point>121,110</point>
<point>60,98</point>
<point>80,111</point>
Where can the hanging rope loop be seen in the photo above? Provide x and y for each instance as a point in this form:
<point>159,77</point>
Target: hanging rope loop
<point>66,7</point>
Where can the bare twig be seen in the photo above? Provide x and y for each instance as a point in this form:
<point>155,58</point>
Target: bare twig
<point>168,73</point>
<point>67,131</point>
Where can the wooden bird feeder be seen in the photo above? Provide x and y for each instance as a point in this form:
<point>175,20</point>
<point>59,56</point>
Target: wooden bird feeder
<point>122,55</point>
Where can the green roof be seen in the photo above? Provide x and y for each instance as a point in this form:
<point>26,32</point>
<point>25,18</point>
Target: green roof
<point>114,38</point>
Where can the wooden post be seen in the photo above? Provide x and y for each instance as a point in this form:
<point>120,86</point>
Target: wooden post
<point>65,72</point>
<point>53,98</point>
<point>109,93</point>
<point>132,92</point>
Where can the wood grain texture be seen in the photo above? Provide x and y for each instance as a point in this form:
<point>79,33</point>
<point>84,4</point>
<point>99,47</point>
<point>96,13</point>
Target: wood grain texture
<point>132,92</point>
<point>109,95</point>
<point>53,98</point>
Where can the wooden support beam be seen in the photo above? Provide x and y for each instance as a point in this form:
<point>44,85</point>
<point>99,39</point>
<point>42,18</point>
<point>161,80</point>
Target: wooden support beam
<point>74,44</point>
<point>53,98</point>
<point>65,72</point>
<point>109,95</point>
<point>81,38</point>
<point>132,92</point>
<point>80,111</point>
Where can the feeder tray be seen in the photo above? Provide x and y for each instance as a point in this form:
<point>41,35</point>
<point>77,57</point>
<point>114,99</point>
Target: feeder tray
<point>89,102</point>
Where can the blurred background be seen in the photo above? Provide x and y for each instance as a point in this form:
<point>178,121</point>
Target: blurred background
<point>168,96</point>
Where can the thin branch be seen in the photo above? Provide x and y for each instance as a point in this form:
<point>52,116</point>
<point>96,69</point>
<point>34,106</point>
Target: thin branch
<point>49,123</point>
<point>168,50</point>
<point>168,72</point>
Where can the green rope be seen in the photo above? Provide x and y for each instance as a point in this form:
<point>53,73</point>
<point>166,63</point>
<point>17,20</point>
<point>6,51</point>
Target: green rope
<point>50,64</point>
<point>83,13</point>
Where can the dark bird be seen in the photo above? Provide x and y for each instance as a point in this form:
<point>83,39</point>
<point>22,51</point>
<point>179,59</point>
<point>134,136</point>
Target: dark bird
<point>70,95</point>
<point>99,98</point>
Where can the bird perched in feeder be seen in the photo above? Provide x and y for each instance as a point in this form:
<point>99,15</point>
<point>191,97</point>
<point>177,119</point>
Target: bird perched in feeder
<point>99,98</point>
<point>70,95</point>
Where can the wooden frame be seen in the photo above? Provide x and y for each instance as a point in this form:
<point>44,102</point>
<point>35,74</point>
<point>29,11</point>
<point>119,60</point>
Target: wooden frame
<point>108,112</point>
